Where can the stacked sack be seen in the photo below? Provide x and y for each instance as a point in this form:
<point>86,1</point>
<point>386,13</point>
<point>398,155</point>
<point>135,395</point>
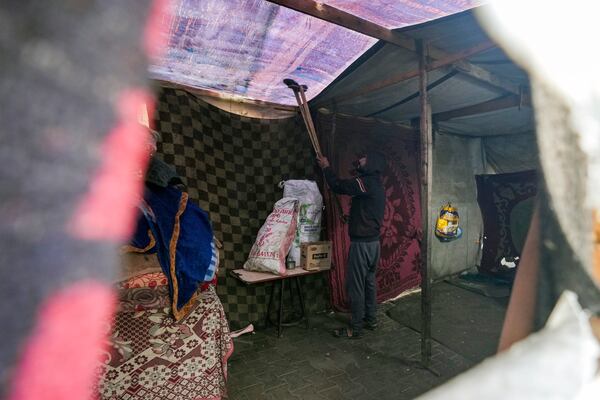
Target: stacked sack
<point>274,238</point>
<point>310,211</point>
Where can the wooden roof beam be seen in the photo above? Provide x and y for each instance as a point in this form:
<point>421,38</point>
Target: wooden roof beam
<point>413,96</point>
<point>346,20</point>
<point>457,63</point>
<point>485,78</point>
<point>499,103</point>
<point>440,57</point>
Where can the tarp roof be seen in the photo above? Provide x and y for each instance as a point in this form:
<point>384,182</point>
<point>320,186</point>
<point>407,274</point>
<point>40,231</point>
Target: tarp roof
<point>452,35</point>
<point>246,47</point>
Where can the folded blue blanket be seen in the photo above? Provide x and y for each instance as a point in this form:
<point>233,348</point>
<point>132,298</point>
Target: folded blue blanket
<point>181,234</point>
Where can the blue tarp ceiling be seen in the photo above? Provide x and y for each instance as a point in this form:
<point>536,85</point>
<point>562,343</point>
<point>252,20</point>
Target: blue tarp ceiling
<point>247,47</point>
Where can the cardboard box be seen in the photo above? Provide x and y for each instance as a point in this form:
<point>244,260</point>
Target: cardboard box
<point>315,256</point>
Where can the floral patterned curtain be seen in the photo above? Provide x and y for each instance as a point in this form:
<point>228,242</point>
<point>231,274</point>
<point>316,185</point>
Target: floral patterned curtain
<point>341,138</point>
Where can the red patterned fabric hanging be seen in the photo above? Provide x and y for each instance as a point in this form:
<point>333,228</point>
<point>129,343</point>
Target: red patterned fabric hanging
<point>342,137</point>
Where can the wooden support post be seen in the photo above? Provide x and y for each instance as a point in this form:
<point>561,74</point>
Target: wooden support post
<point>426,179</point>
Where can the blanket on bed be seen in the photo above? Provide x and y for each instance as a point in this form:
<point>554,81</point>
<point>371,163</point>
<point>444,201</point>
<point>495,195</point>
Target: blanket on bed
<point>181,235</point>
<point>150,355</point>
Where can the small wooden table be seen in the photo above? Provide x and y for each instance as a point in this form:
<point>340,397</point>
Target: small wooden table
<point>252,277</point>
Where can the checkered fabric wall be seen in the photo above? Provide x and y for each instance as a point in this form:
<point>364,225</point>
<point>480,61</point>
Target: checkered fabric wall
<point>231,166</point>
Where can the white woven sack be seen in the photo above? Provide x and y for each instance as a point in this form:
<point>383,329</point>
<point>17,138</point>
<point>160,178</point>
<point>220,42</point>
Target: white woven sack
<point>310,210</point>
<point>274,239</point>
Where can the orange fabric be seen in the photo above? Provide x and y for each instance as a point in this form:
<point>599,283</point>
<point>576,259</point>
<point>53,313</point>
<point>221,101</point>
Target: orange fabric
<point>132,249</point>
<point>178,314</point>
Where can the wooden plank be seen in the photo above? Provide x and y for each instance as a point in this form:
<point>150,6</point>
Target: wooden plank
<point>415,94</point>
<point>382,84</point>
<point>473,71</point>
<point>484,77</point>
<point>440,57</point>
<point>530,132</point>
<point>425,127</point>
<point>345,19</point>
<point>401,128</point>
<point>252,277</point>
<point>446,59</point>
<point>476,73</point>
<point>496,104</point>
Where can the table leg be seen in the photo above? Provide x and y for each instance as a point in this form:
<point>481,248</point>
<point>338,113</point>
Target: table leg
<point>279,320</point>
<point>292,308</point>
<point>302,308</point>
<point>267,317</point>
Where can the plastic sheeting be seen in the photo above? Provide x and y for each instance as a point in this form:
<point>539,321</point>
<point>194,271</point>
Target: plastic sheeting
<point>511,153</point>
<point>501,122</point>
<point>247,47</point>
<point>400,13</point>
<point>455,160</point>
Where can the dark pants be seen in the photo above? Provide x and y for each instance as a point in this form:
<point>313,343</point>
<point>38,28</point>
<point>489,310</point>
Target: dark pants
<point>360,282</point>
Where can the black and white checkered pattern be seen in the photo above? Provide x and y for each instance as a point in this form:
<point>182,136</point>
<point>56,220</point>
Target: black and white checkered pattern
<point>231,165</point>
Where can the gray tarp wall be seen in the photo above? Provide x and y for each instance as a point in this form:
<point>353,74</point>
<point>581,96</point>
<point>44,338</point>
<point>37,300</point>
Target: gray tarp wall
<point>510,153</point>
<point>456,161</point>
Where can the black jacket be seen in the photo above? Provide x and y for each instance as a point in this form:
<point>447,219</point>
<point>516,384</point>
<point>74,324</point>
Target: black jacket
<point>368,198</point>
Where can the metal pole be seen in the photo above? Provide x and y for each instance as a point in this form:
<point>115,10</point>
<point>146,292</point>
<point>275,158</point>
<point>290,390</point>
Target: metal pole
<point>426,178</point>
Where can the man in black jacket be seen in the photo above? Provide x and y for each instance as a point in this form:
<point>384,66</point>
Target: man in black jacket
<point>366,217</point>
